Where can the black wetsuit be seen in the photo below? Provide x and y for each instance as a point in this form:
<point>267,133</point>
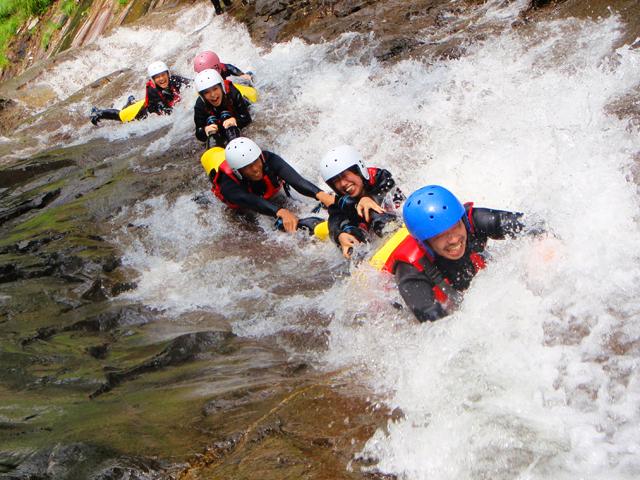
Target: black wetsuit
<point>343,217</point>
<point>232,102</point>
<point>228,70</point>
<point>157,101</point>
<point>218,7</point>
<point>161,101</point>
<point>416,288</point>
<point>248,194</point>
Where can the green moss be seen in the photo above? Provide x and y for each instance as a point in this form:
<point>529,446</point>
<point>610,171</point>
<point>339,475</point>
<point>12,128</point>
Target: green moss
<point>68,7</point>
<point>49,28</point>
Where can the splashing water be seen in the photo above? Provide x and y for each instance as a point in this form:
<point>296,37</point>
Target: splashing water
<point>536,375</point>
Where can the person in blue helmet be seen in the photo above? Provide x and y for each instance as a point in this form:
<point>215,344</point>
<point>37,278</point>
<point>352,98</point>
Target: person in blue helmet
<point>444,249</point>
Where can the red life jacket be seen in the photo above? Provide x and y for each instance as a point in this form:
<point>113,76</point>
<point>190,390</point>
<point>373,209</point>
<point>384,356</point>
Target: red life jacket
<point>271,190</point>
<point>168,103</point>
<point>413,252</point>
<point>373,171</point>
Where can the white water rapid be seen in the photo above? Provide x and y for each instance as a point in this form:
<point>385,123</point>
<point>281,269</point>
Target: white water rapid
<point>536,376</point>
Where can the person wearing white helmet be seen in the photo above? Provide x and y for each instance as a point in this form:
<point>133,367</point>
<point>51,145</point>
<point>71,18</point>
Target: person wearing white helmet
<point>253,179</point>
<point>220,110</point>
<point>365,194</point>
<point>162,93</point>
<point>163,89</point>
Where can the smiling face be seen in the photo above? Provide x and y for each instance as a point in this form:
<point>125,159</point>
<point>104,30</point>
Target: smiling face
<point>161,80</point>
<point>253,171</point>
<point>348,183</point>
<point>213,95</point>
<point>451,243</point>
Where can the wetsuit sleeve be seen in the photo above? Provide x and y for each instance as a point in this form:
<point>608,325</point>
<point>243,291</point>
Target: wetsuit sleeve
<point>243,117</point>
<point>181,81</point>
<point>234,193</point>
<point>417,292</point>
<point>497,224</point>
<point>200,116</point>
<point>233,70</point>
<point>286,172</point>
<point>340,222</point>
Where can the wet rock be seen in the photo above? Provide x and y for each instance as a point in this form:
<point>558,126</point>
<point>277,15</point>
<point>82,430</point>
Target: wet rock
<point>111,263</point>
<point>109,321</point>
<point>6,103</point>
<point>182,349</point>
<point>95,293</point>
<point>8,273</point>
<point>125,316</point>
<point>99,351</point>
<point>14,176</point>
<point>396,47</point>
<point>78,461</point>
<point>122,287</point>
<point>38,202</point>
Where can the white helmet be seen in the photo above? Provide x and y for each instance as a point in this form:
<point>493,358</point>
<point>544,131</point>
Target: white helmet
<point>339,159</point>
<point>207,79</point>
<point>156,68</point>
<point>240,152</point>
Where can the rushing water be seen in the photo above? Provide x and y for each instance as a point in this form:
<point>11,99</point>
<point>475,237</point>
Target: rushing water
<point>536,376</point>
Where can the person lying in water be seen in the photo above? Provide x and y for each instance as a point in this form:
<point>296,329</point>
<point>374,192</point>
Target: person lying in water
<point>219,107</point>
<point>444,249</point>
<point>161,94</point>
<point>363,194</point>
<point>255,180</point>
<point>208,60</point>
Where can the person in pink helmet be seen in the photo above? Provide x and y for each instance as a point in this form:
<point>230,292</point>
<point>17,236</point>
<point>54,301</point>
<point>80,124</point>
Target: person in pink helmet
<point>210,60</point>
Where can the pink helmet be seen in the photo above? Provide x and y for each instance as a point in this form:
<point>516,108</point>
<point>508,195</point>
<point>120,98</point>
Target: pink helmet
<point>206,60</point>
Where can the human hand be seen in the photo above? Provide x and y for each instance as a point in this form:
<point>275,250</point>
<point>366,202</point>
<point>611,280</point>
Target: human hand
<point>327,199</point>
<point>230,122</point>
<point>289,220</point>
<point>347,242</point>
<point>211,129</point>
<point>365,205</point>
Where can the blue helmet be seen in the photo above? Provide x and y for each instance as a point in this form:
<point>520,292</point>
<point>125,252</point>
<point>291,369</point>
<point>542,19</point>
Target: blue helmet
<point>431,210</point>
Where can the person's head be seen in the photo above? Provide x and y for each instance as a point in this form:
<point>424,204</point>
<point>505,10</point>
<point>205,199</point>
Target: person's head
<point>342,168</point>
<point>206,60</point>
<point>433,215</point>
<point>245,158</point>
<point>159,74</point>
<point>209,86</point>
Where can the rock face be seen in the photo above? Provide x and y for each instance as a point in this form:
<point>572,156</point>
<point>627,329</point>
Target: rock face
<point>88,20</point>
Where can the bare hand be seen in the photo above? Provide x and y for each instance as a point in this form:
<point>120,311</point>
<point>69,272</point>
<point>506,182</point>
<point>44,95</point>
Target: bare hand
<point>365,205</point>
<point>211,129</point>
<point>347,242</point>
<point>246,76</point>
<point>230,122</point>
<point>289,220</point>
<point>327,199</point>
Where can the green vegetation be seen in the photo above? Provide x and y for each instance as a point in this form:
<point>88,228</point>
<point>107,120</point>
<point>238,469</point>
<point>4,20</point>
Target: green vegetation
<point>49,28</point>
<point>123,2</point>
<point>14,13</point>
<point>68,7</point>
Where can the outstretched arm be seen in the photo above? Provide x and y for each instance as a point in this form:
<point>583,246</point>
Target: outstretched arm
<point>417,292</point>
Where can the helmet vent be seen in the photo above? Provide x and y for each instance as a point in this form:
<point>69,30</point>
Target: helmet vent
<point>444,207</point>
<point>418,202</point>
<point>431,217</point>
